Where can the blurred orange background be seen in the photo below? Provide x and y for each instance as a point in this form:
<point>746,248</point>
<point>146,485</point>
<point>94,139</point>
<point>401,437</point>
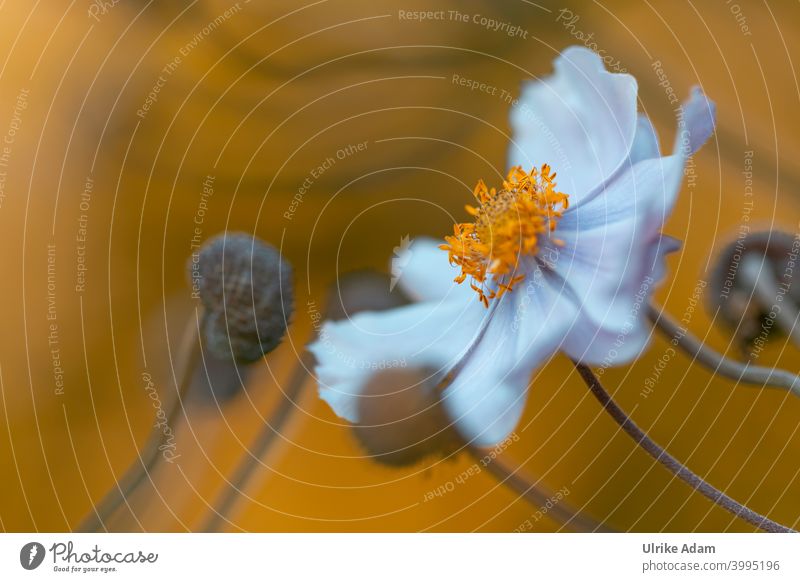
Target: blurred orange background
<point>259,99</point>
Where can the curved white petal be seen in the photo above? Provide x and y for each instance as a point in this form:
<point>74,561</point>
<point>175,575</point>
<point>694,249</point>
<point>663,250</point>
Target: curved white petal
<point>487,397</point>
<point>696,124</point>
<point>421,269</point>
<point>613,256</point>
<point>648,188</point>
<point>607,342</point>
<point>645,144</point>
<point>429,335</point>
<point>651,185</point>
<point>615,253</point>
<point>581,120</point>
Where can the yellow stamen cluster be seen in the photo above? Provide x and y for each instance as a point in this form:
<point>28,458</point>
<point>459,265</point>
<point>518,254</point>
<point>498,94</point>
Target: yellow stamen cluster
<point>508,224</point>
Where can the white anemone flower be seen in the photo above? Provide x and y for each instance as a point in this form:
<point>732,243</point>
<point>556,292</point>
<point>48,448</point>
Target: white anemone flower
<point>567,269</point>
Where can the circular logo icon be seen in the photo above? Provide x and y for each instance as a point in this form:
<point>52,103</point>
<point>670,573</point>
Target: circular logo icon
<point>31,555</point>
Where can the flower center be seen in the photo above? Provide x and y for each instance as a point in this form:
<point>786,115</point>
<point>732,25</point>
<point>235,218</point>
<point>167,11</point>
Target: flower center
<point>508,224</point>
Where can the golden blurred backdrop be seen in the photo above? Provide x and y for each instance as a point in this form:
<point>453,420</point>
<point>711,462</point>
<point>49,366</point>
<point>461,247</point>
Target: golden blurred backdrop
<point>119,112</point>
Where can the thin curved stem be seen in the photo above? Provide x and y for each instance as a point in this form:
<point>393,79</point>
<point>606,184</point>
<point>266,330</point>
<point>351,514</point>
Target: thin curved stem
<point>248,466</point>
<point>719,364</point>
<point>149,456</point>
<point>515,478</point>
<point>671,463</point>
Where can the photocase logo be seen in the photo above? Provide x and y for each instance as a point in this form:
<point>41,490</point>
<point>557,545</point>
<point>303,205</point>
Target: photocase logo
<point>31,555</point>
<point>402,256</point>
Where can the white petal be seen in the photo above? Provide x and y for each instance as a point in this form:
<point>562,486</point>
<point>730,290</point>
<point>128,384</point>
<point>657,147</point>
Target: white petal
<point>697,123</point>
<point>425,335</point>
<point>649,187</point>
<point>581,120</point>
<point>615,253</point>
<point>487,397</point>
<point>645,144</point>
<point>423,272</point>
<point>613,257</point>
<point>597,343</point>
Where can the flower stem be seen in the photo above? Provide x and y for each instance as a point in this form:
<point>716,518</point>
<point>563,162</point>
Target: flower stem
<point>149,456</point>
<point>265,438</point>
<point>719,364</point>
<point>515,478</point>
<point>671,463</point>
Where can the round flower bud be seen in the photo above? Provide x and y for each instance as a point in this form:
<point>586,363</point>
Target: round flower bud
<point>245,286</point>
<point>401,418</point>
<point>732,287</point>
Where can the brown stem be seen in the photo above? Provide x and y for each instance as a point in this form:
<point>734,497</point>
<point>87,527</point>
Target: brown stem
<point>251,462</point>
<point>719,364</point>
<point>524,485</point>
<point>149,456</point>
<point>671,463</point>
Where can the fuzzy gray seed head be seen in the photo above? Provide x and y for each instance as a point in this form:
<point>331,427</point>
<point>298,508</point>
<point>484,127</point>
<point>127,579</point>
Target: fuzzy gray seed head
<point>246,289</point>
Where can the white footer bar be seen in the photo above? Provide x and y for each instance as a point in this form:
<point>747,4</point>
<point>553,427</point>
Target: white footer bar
<point>388,557</point>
